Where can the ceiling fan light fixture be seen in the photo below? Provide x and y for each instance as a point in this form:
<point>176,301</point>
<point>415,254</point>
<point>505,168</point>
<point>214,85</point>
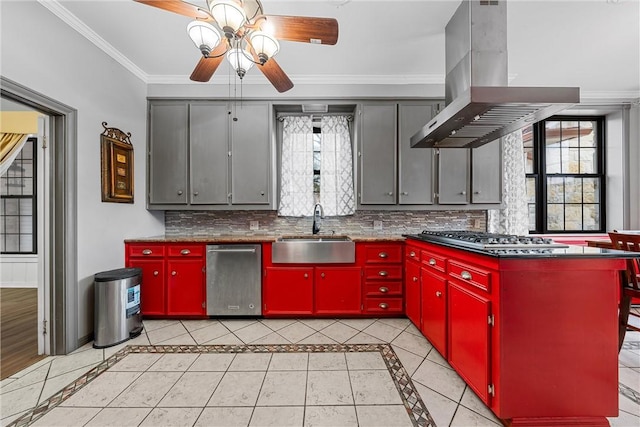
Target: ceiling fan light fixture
<point>265,45</point>
<point>204,36</point>
<point>239,59</point>
<point>229,15</point>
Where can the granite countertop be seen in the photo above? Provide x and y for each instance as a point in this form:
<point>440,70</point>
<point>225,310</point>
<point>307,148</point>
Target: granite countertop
<point>257,238</point>
<point>570,251</point>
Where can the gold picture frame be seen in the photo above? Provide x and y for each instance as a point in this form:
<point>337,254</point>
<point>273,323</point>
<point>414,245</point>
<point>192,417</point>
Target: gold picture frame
<point>116,164</point>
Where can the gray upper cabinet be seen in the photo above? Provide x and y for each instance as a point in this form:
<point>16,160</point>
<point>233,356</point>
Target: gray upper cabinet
<point>416,165</point>
<point>453,176</point>
<point>378,154</point>
<point>209,153</point>
<point>203,157</point>
<point>250,155</point>
<point>168,153</point>
<point>486,173</point>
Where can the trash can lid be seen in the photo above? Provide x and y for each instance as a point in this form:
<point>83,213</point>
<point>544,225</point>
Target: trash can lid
<point>118,274</point>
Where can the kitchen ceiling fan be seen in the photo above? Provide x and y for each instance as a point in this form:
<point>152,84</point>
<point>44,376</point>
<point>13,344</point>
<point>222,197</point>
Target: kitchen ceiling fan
<point>246,36</point>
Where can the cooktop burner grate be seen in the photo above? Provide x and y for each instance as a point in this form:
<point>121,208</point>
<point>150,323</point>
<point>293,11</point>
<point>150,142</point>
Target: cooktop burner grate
<point>483,240</point>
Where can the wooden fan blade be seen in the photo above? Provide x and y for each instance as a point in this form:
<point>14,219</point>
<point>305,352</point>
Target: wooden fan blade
<point>278,78</point>
<point>303,29</point>
<point>179,7</point>
<point>207,66</point>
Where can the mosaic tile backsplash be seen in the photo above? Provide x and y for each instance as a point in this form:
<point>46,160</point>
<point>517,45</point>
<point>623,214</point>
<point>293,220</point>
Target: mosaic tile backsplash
<point>218,223</point>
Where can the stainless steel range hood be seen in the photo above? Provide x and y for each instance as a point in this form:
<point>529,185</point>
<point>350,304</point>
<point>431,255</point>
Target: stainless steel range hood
<point>480,107</point>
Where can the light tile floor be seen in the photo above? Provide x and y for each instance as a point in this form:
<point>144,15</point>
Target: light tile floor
<point>239,381</point>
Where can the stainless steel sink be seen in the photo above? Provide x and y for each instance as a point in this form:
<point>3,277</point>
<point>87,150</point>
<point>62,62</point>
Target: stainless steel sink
<point>304,249</point>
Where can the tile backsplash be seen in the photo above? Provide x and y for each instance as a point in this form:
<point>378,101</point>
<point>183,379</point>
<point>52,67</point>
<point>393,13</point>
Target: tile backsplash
<point>363,222</point>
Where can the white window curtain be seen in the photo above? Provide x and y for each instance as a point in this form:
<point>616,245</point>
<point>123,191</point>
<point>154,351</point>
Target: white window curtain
<point>296,177</point>
<point>10,146</point>
<point>336,167</point>
<point>513,218</point>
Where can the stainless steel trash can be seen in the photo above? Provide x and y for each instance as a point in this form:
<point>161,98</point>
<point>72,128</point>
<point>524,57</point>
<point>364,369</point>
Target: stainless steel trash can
<point>117,316</point>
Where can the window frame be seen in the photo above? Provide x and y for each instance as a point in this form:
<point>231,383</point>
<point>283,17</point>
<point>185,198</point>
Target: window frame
<point>34,205</point>
<point>541,176</point>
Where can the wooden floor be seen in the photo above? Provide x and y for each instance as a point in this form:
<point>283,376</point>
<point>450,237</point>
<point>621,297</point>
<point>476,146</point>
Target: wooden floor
<point>18,329</point>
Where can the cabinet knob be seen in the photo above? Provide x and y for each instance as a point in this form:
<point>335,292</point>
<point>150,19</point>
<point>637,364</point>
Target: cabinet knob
<point>383,255</point>
<point>322,275</point>
<point>476,192</point>
<point>185,252</point>
<point>465,275</point>
<point>383,289</point>
<point>415,279</point>
<point>383,305</point>
<point>405,193</point>
<point>412,254</point>
<point>179,192</point>
<point>383,273</point>
<point>390,193</point>
<point>156,272</point>
<point>464,193</point>
<point>195,194</point>
<point>438,294</point>
<point>173,273</point>
<point>147,252</point>
<point>306,275</point>
<point>262,193</point>
<point>432,261</point>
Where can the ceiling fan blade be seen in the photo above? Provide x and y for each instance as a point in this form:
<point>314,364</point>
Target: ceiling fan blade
<point>278,78</point>
<point>303,29</point>
<point>179,7</point>
<point>207,66</point>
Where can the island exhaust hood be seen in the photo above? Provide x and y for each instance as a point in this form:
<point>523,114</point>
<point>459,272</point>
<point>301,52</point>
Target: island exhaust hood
<point>479,106</point>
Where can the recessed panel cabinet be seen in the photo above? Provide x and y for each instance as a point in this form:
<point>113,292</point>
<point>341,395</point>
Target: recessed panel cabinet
<point>168,136</point>
<point>209,154</point>
<point>415,165</point>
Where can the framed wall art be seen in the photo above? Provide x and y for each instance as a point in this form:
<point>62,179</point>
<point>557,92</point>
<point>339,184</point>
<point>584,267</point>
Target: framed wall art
<point>116,160</point>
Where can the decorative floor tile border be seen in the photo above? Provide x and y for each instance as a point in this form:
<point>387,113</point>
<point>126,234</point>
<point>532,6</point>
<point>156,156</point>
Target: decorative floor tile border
<point>414,405</point>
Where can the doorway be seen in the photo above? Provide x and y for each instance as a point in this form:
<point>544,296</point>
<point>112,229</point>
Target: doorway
<point>58,267</point>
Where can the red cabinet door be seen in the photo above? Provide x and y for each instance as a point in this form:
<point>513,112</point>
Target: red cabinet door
<point>338,290</point>
<point>469,337</point>
<point>185,287</point>
<point>434,310</point>
<point>288,291</point>
<point>152,296</point>
<point>412,293</point>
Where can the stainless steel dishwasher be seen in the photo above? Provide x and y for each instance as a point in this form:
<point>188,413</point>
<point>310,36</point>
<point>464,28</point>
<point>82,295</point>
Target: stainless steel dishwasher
<point>234,286</point>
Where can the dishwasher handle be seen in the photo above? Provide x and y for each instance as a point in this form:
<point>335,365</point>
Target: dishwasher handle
<point>253,251</point>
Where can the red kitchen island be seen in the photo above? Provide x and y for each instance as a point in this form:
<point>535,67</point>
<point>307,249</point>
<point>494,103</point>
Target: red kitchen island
<point>533,333</point>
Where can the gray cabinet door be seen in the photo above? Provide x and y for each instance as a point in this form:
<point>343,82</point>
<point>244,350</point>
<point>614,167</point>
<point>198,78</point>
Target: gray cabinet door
<point>378,155</point>
<point>486,173</point>
<point>453,176</point>
<point>250,154</point>
<point>209,153</point>
<point>415,164</point>
<point>168,153</point>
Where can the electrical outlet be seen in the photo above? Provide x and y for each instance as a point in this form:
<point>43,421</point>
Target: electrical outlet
<point>476,223</point>
<point>377,225</point>
<point>254,225</point>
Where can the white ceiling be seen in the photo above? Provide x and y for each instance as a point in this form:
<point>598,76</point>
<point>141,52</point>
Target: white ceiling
<point>593,44</point>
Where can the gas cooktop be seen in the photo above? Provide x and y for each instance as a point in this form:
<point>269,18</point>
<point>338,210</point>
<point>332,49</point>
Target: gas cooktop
<point>488,241</point>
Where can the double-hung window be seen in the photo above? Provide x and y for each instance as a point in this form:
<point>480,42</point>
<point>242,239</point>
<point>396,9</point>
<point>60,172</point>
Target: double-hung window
<point>565,174</point>
<point>18,203</point>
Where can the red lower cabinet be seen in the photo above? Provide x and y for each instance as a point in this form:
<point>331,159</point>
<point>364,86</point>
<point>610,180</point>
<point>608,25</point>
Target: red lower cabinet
<point>287,291</point>
<point>338,290</point>
<point>434,310</point>
<point>152,288</point>
<point>185,287</point>
<point>469,338</point>
<point>412,293</point>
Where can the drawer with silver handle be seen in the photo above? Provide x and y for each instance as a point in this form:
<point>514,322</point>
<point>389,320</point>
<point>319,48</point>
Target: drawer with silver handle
<point>383,272</point>
<point>470,275</point>
<point>383,288</point>
<point>383,305</point>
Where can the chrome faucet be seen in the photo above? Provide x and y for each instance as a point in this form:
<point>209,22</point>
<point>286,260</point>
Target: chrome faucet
<point>318,214</point>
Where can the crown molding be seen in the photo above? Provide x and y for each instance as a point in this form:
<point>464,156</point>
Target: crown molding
<point>628,96</point>
<point>72,20</point>
<point>320,79</point>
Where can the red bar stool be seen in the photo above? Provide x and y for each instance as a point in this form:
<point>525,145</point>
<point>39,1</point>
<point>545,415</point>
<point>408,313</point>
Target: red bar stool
<point>630,281</point>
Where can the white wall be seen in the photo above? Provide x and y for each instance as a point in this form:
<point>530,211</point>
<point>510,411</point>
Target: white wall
<point>634,170</point>
<point>44,54</point>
